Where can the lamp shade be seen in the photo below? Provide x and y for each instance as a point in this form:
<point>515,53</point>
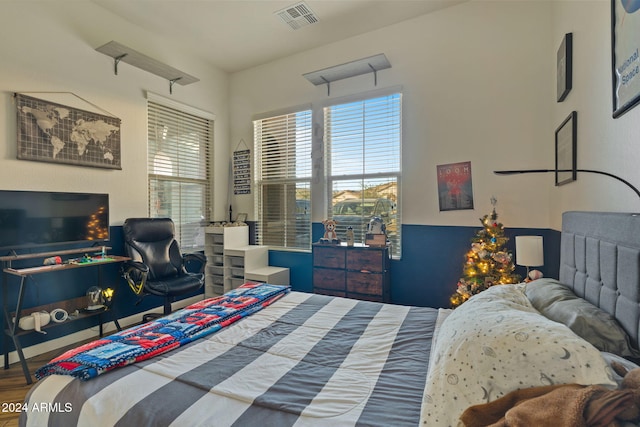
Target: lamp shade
<point>529,251</point>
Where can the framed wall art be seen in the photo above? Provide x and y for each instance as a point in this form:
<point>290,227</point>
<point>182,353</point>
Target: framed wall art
<point>566,143</point>
<point>242,171</point>
<point>625,28</point>
<point>455,189</point>
<point>55,133</point>
<point>564,67</point>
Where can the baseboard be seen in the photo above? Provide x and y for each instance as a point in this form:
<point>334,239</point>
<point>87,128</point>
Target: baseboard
<point>86,334</point>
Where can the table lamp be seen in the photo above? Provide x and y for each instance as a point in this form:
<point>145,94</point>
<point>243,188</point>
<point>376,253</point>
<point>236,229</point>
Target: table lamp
<point>529,252</point>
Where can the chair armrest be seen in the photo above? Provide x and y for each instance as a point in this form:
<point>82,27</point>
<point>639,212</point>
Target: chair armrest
<point>136,265</point>
<point>135,273</point>
<point>195,257</point>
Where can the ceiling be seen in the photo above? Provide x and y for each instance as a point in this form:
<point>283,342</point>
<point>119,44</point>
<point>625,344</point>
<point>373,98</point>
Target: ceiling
<point>238,34</point>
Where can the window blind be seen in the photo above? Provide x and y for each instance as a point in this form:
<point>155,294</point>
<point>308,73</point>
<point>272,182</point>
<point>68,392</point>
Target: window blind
<point>179,170</point>
<point>363,146</point>
<point>283,180</point>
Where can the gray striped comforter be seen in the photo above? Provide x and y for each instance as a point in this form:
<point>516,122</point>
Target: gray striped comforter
<point>307,360</point>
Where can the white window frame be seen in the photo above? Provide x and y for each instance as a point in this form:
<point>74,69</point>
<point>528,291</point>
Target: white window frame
<point>189,231</point>
<point>332,176</point>
<point>282,226</point>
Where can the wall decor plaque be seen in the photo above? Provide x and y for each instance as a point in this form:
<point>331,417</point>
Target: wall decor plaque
<point>242,172</point>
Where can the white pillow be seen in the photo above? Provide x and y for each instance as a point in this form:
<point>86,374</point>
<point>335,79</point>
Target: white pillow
<point>497,342</point>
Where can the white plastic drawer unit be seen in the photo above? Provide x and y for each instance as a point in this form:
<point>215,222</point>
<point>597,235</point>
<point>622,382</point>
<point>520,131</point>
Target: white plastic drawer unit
<point>216,270</point>
<point>237,273</point>
<point>236,282</point>
<point>236,261</point>
<point>216,280</point>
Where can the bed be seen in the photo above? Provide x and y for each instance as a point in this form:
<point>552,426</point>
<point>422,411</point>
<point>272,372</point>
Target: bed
<point>315,360</point>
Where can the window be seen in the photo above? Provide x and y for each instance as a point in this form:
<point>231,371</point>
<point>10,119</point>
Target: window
<point>179,168</point>
<point>283,180</point>
<point>363,144</point>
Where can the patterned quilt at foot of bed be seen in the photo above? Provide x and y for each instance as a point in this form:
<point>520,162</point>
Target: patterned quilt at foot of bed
<point>162,335</point>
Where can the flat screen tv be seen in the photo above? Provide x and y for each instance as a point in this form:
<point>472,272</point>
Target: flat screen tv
<point>34,218</point>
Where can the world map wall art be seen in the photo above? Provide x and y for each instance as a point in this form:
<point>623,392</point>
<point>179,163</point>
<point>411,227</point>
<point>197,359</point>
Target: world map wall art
<point>50,132</point>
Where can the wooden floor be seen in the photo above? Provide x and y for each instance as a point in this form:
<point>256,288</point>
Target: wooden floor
<point>13,385</point>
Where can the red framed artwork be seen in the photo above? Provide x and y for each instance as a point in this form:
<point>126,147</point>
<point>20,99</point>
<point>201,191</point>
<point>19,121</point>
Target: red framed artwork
<point>455,189</point>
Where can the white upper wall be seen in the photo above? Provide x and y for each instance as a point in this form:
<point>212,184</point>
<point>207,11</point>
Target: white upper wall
<point>49,47</point>
<point>476,86</point>
<point>604,143</point>
<point>478,82</point>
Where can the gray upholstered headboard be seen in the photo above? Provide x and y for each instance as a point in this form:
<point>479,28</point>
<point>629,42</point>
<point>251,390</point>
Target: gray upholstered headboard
<point>600,261</point>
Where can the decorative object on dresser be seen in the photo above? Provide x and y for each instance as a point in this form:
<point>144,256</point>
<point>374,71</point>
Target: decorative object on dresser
<point>350,236</point>
<point>376,232</point>
<point>359,271</point>
<point>330,235</point>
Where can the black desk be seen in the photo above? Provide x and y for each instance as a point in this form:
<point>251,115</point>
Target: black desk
<point>69,305</point>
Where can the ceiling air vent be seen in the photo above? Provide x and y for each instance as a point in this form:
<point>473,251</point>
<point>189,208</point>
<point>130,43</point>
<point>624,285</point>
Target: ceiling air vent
<point>297,16</point>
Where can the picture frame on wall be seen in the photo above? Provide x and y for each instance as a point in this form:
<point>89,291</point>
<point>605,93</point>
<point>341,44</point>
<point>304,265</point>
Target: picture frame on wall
<point>625,43</point>
<point>54,133</point>
<point>564,67</point>
<point>566,144</point>
<point>455,186</point>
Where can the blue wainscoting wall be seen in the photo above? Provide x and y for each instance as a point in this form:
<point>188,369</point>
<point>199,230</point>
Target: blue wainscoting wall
<point>431,264</point>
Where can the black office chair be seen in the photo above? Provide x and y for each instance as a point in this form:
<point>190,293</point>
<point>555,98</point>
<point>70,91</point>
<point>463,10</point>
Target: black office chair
<point>157,267</point>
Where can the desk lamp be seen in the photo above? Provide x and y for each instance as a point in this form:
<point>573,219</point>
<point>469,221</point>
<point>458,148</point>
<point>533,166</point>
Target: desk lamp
<point>529,252</point>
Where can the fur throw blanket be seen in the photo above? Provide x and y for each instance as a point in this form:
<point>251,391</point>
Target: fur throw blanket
<point>565,405</point>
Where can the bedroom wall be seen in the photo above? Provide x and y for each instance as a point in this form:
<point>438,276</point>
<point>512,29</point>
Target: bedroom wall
<point>478,82</point>
<point>478,85</point>
<point>604,143</point>
<point>49,46</point>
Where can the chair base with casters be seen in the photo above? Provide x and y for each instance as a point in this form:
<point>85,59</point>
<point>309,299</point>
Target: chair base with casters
<point>157,266</point>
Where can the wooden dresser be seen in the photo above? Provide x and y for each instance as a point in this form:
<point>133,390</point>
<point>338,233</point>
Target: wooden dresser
<point>360,272</point>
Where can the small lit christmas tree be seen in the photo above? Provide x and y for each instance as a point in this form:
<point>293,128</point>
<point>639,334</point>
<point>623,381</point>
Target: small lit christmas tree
<point>488,262</point>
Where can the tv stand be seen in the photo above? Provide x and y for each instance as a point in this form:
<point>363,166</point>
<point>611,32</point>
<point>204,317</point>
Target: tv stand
<point>71,305</point>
